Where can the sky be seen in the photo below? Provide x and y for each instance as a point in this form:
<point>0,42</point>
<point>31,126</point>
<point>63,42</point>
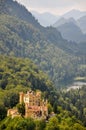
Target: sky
<point>57,7</point>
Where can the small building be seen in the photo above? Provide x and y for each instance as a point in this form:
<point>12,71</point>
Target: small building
<point>13,113</point>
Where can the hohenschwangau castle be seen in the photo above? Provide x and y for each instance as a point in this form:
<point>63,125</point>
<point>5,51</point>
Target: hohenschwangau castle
<point>35,106</point>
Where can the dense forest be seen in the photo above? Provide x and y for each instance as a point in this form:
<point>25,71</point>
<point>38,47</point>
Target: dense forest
<point>17,74</point>
<point>22,36</point>
<point>21,72</point>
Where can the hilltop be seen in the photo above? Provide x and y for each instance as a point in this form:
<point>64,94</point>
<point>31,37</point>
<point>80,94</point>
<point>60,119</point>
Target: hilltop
<point>18,74</point>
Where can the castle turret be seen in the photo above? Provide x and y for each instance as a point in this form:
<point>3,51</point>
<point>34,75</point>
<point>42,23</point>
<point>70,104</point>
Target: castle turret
<point>21,97</point>
<point>26,109</point>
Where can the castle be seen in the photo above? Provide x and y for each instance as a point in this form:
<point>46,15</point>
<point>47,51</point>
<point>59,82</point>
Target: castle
<point>35,106</point>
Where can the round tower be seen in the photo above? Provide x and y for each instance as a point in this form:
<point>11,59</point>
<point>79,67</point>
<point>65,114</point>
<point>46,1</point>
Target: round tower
<point>26,110</point>
<point>21,97</point>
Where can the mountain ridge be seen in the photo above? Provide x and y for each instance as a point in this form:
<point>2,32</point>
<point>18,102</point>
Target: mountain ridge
<point>46,18</point>
<point>50,19</point>
<point>76,14</point>
<point>71,29</point>
<point>16,11</point>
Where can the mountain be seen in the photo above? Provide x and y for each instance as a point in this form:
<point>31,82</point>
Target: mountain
<point>20,75</point>
<point>21,37</point>
<point>63,20</point>
<point>72,32</point>
<point>71,16</point>
<point>76,14</point>
<point>12,8</point>
<point>71,28</point>
<point>22,72</point>
<point>45,19</point>
<point>82,23</point>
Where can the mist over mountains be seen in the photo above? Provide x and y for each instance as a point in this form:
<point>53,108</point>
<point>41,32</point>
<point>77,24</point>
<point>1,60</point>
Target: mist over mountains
<point>47,19</point>
<point>76,14</point>
<point>71,29</point>
<point>71,24</point>
<point>22,36</point>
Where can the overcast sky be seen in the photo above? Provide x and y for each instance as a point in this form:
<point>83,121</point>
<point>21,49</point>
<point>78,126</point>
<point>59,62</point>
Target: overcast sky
<point>54,6</point>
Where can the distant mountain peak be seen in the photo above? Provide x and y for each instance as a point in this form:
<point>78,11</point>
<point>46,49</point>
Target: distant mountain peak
<point>46,18</point>
<point>63,20</point>
<point>74,13</point>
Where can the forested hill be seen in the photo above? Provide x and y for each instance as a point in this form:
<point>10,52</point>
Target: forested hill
<point>18,74</point>
<point>12,8</point>
<point>23,73</point>
<point>50,34</point>
<point>22,36</point>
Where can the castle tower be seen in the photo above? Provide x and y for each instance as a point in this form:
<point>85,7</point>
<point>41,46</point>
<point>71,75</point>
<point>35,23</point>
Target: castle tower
<point>26,110</point>
<point>21,97</point>
<point>46,107</point>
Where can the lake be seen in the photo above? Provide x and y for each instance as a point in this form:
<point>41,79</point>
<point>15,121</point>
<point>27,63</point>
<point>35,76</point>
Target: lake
<point>76,85</point>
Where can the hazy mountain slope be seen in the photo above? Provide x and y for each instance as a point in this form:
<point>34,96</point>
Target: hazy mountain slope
<point>70,29</point>
<point>12,8</point>
<point>63,20</point>
<point>45,19</point>
<point>82,23</point>
<point>45,46</point>
<point>23,40</point>
<point>72,32</point>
